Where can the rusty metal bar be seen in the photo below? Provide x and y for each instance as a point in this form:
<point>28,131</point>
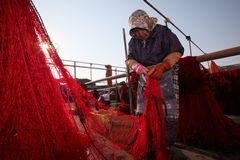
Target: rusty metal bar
<point>219,54</point>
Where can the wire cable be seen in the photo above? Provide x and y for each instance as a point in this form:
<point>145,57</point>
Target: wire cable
<point>167,20</point>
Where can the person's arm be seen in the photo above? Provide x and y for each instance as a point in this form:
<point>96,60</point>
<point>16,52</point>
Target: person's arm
<point>158,70</point>
<point>175,50</point>
<point>135,66</point>
<point>173,58</point>
<point>130,62</point>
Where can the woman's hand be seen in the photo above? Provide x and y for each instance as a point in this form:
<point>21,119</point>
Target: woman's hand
<point>139,69</point>
<point>158,70</point>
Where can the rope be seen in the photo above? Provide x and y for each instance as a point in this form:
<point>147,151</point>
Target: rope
<point>167,20</point>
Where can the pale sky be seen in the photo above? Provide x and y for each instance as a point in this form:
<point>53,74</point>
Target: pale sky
<point>91,30</point>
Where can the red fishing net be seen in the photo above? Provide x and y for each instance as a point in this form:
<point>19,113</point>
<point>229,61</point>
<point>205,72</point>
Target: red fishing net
<point>225,86</point>
<point>45,114</point>
<point>201,121</point>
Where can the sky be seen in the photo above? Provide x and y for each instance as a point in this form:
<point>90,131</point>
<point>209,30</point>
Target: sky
<point>92,30</point>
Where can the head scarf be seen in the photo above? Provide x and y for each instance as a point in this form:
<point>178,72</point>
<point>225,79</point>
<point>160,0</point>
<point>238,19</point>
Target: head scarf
<point>140,19</point>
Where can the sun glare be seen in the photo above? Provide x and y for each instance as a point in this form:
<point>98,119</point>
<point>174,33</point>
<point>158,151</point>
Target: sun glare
<point>44,47</point>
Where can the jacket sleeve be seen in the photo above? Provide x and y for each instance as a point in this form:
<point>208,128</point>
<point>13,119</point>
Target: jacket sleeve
<point>172,42</point>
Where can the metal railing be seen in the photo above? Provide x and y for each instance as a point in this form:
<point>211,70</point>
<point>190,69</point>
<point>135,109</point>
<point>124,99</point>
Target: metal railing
<point>91,66</point>
<point>122,70</point>
<point>210,56</point>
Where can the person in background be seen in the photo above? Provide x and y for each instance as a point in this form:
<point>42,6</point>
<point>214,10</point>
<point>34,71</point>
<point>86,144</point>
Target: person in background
<point>105,98</point>
<point>95,94</point>
<point>153,52</point>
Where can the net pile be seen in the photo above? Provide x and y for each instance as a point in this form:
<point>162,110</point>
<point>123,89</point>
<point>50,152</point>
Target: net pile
<point>225,86</point>
<point>201,121</point>
<point>45,114</point>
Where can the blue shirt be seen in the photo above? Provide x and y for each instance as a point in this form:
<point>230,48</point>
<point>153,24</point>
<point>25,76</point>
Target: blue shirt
<point>159,44</point>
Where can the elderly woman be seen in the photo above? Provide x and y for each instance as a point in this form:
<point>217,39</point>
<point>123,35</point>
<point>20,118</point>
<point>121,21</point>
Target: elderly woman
<point>153,52</point>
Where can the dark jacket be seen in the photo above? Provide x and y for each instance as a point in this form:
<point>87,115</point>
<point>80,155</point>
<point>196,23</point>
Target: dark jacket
<point>159,44</point>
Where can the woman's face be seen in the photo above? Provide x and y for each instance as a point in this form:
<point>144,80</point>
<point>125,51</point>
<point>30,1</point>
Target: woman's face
<point>142,34</point>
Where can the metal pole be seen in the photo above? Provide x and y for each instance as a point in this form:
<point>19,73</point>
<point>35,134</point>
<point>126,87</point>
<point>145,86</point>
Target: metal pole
<point>91,71</point>
<point>74,67</point>
<point>115,75</point>
<point>219,54</point>
<point>128,78</point>
<point>104,79</point>
<point>116,87</point>
<point>168,20</point>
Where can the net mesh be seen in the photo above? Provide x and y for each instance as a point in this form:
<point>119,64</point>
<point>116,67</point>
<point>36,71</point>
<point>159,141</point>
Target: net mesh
<point>46,114</point>
<point>201,121</point>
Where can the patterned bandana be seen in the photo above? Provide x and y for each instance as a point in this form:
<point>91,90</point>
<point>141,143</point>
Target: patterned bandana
<point>140,19</point>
